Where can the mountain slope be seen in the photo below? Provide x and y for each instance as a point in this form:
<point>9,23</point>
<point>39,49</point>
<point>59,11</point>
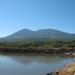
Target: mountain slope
<point>42,33</point>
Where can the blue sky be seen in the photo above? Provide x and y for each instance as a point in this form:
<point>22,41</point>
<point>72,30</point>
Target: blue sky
<point>36,14</point>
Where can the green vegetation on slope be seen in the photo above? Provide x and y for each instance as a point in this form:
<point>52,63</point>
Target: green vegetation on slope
<point>36,44</point>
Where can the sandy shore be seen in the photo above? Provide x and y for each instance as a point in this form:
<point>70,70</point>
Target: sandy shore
<point>68,69</point>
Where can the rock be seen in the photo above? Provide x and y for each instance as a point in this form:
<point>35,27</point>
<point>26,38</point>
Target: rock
<point>51,73</point>
<point>48,73</point>
<point>57,73</point>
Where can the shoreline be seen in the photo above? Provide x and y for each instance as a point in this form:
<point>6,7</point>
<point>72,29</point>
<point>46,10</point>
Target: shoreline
<point>40,51</point>
<point>68,69</point>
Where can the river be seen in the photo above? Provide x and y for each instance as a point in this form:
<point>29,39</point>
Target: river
<point>31,64</point>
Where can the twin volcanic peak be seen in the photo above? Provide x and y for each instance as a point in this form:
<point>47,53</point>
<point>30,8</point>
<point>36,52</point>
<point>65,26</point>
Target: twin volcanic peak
<point>42,33</point>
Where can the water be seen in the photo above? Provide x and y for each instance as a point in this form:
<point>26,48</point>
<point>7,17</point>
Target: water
<point>31,64</point>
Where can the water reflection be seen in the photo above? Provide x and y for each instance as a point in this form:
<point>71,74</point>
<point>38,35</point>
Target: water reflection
<point>30,64</point>
<point>39,59</point>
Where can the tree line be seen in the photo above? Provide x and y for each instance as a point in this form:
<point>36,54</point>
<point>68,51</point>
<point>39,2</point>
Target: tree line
<point>36,44</point>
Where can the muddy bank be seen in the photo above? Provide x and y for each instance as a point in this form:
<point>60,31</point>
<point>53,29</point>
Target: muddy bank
<point>52,51</point>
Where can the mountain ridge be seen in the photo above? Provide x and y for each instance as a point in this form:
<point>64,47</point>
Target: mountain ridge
<point>40,34</point>
<point>48,32</point>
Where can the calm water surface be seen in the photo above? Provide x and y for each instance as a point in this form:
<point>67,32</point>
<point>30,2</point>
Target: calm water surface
<point>31,64</point>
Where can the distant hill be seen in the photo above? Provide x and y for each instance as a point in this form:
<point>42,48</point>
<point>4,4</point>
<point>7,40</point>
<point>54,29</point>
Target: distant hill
<point>40,34</point>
